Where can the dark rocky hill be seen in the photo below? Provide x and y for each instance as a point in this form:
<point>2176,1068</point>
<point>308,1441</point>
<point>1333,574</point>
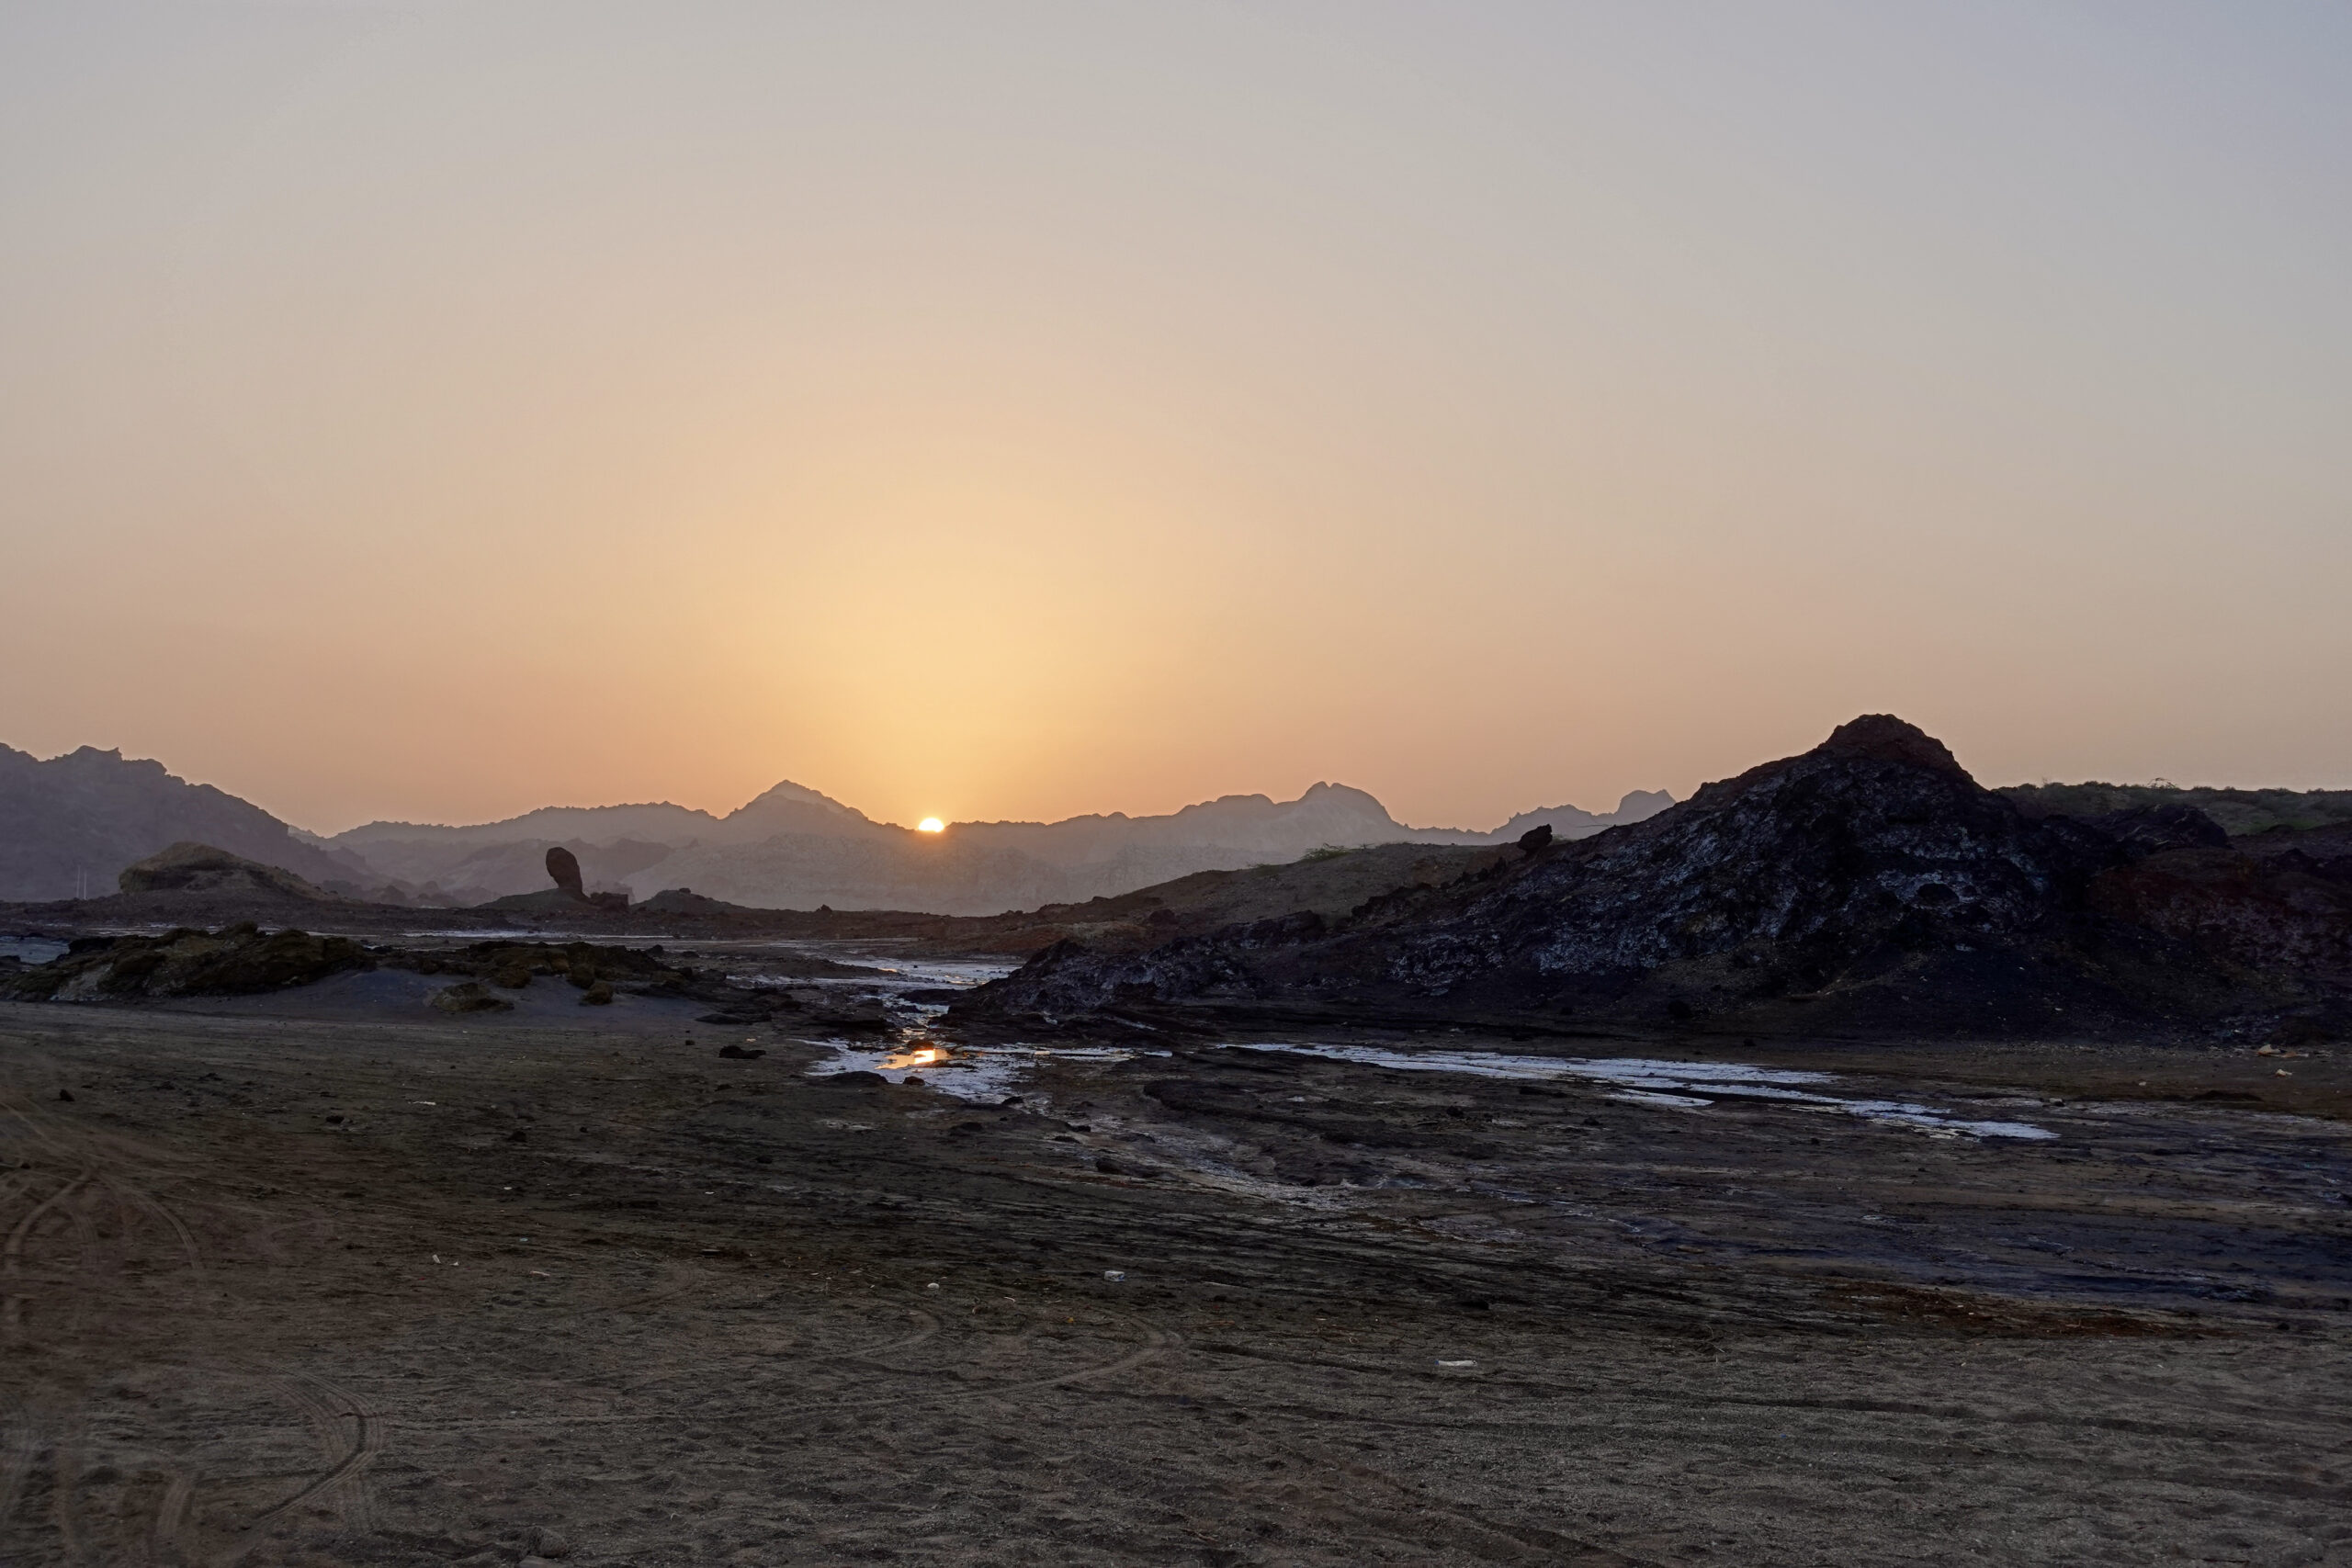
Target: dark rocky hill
<point>72,823</point>
<point>1868,883</point>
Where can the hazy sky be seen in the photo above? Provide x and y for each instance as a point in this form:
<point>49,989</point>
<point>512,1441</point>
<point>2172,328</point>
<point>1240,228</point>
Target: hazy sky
<point>995,409</point>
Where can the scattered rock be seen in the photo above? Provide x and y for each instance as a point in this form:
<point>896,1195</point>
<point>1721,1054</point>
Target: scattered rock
<point>598,995</point>
<point>737,1054</point>
<point>472,996</point>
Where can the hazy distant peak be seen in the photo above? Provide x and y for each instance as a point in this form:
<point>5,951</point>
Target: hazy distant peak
<point>1574,822</point>
<point>1641,804</point>
<point>1347,794</point>
<point>86,759</point>
<point>785,792</point>
<point>545,821</point>
<point>1325,796</point>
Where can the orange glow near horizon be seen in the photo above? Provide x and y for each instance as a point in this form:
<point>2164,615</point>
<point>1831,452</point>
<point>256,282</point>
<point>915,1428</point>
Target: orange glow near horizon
<point>1106,410</point>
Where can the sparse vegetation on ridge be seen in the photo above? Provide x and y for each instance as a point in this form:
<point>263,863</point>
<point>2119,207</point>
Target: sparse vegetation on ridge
<point>2239,811</point>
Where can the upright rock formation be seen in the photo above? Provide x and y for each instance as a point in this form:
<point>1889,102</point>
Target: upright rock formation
<point>564,866</point>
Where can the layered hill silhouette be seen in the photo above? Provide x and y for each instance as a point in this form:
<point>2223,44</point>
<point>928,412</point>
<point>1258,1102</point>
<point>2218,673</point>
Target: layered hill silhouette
<point>793,848</point>
<point>74,823</point>
<point>1868,883</point>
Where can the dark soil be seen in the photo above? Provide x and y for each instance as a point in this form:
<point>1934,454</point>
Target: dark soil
<point>377,1285</point>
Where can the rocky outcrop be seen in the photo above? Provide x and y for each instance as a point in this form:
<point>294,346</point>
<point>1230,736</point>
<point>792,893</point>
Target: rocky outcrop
<point>563,867</point>
<point>470,996</point>
<point>1868,881</point>
<point>201,868</point>
<point>235,960</point>
<point>2276,906</point>
<point>513,964</point>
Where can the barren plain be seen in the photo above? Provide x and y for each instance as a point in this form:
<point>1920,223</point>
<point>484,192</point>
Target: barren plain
<point>331,1278</point>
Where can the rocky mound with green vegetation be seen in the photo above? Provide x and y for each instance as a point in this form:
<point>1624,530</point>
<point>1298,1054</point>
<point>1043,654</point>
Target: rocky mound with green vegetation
<point>514,965</point>
<point>239,960</point>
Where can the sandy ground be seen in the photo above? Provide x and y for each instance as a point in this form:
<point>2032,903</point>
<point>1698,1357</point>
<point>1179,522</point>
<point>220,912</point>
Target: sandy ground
<point>335,1279</point>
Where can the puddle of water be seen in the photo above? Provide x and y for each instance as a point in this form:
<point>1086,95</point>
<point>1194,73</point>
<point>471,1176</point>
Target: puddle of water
<point>976,1073</point>
<point>31,949</point>
<point>497,933</point>
<point>1682,1086</point>
<point>1931,1120</point>
<point>992,1072</point>
<point>960,973</point>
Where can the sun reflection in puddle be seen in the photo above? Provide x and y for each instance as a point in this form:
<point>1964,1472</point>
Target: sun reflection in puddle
<point>968,1072</point>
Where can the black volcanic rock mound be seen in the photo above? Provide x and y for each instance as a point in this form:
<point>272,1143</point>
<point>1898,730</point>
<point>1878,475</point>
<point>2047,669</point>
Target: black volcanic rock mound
<point>1870,880</point>
<point>1882,738</point>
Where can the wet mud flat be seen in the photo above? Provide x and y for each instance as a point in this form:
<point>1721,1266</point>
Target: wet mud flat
<point>399,1288</point>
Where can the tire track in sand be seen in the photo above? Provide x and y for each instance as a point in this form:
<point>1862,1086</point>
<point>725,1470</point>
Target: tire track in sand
<point>326,1405</point>
<point>168,1532</point>
<point>20,1443</point>
<point>12,1259</point>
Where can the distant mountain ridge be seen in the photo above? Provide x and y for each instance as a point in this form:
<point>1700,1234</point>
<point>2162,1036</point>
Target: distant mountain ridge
<point>70,825</point>
<point>74,823</point>
<point>794,848</point>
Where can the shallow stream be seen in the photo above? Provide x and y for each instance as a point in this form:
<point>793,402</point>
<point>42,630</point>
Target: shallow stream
<point>989,1073</point>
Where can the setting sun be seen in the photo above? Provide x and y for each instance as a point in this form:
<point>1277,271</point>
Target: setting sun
<point>931,825</point>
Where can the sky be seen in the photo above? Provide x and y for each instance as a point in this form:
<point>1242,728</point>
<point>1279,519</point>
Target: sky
<point>434,411</point>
